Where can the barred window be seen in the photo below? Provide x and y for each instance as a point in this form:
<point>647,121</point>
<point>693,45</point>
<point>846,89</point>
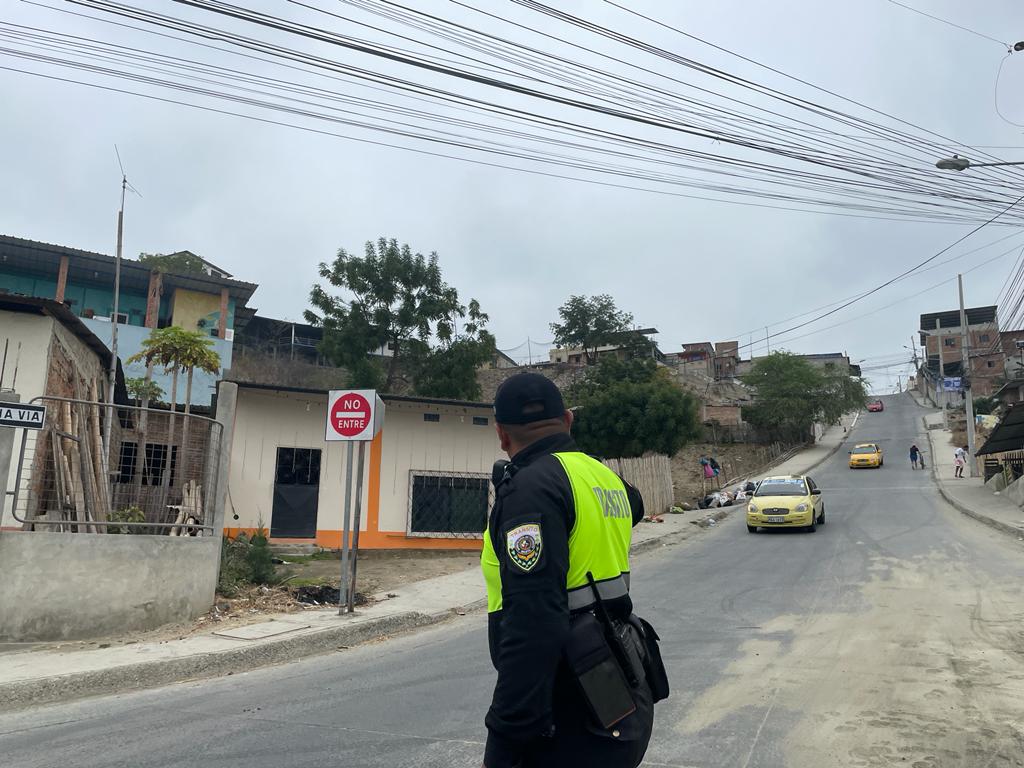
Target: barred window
<point>153,467</point>
<point>298,466</point>
<point>445,504</point>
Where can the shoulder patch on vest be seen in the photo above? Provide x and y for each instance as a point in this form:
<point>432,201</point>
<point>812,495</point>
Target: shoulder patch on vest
<point>523,544</point>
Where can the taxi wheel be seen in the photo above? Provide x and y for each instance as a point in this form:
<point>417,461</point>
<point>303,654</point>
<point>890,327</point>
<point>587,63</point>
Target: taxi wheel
<point>751,529</point>
<point>812,527</point>
<point>821,518</point>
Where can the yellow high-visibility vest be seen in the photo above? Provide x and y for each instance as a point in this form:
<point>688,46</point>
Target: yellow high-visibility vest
<point>598,542</point>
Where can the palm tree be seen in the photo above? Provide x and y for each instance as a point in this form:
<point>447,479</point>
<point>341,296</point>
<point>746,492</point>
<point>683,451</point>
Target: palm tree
<point>196,352</point>
<point>164,347</point>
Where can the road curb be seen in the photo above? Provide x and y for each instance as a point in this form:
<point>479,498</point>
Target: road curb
<point>152,674</point>
<point>834,451</point>
<point>986,520</point>
<point>246,658</point>
<point>963,508</point>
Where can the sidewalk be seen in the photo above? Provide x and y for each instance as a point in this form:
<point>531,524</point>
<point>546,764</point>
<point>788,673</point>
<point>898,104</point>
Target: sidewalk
<point>809,459</point>
<point>969,495</point>
<point>36,676</point>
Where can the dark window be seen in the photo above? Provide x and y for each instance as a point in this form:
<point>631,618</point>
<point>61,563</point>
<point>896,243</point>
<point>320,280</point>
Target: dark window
<point>990,364</point>
<point>949,342</point>
<point>984,337</point>
<point>431,416</point>
<point>830,365</point>
<point>448,504</point>
<point>152,472</point>
<point>298,466</point>
<point>479,421</point>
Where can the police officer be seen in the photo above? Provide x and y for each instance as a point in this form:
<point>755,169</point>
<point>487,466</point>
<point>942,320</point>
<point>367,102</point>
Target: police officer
<point>561,522</point>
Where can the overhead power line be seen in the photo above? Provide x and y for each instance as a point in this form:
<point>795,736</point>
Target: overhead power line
<point>968,30</point>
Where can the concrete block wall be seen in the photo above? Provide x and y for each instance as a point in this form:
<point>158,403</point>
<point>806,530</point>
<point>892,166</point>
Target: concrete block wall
<point>75,586</point>
<point>996,483</point>
<point>1015,492</point>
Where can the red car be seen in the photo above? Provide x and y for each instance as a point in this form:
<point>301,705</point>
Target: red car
<point>876,406</point>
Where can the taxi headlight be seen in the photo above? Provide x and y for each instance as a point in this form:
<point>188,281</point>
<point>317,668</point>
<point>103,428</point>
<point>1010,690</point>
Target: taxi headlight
<point>801,508</point>
<point>751,507</point>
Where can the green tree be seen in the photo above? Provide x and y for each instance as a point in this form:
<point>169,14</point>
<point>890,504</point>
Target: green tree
<point>792,394</point>
<point>176,350</point>
<point>396,300</point>
<point>144,389</point>
<point>157,349</point>
<point>628,408</point>
<point>196,353</point>
<point>181,263</point>
<point>449,370</point>
<point>589,323</point>
<point>984,406</point>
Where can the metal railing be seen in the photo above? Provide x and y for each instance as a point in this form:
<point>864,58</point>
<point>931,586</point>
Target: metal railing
<point>160,473</point>
<point>452,505</point>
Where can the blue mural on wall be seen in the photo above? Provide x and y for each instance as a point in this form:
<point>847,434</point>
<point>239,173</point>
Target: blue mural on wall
<point>129,341</point>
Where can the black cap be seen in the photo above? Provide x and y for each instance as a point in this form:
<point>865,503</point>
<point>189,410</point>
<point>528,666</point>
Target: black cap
<point>527,397</point>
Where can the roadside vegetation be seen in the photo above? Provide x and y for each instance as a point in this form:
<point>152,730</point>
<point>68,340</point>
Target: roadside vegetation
<point>792,395</point>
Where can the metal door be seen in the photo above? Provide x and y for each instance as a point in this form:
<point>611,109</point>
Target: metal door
<point>296,489</point>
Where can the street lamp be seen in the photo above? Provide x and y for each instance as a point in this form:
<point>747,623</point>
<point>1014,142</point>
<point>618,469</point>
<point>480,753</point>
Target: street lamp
<point>957,163</point>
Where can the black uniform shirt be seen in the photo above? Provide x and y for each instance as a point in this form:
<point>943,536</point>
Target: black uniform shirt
<point>527,635</point>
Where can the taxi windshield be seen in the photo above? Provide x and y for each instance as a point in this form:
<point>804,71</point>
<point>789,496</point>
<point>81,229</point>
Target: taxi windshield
<point>783,487</point>
<point>865,449</point>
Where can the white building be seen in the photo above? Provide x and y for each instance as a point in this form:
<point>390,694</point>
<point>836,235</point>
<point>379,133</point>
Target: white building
<point>426,483</point>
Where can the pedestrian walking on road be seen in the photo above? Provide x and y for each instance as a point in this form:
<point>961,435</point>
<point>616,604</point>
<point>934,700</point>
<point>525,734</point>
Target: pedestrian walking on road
<point>578,672</point>
<point>959,460</point>
<point>915,456</point>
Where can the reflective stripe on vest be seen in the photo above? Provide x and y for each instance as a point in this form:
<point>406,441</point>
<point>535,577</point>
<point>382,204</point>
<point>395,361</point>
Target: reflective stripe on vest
<point>583,597</point>
<point>599,540</point>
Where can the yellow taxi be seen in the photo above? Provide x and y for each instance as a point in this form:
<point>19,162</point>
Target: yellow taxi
<point>787,501</point>
<point>866,455</point>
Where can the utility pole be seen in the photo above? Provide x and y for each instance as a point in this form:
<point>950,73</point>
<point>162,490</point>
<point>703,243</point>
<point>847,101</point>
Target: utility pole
<point>941,388</point>
<point>108,422</point>
<point>965,376</point>
<point>767,341</point>
<point>917,369</point>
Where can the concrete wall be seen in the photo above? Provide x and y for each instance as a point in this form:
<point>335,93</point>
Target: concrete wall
<point>73,586</point>
<point>24,372</point>
<point>189,307</point>
<point>453,444</point>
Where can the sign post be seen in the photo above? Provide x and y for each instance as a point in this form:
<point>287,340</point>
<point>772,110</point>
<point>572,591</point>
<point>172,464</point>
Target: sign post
<point>353,416</point>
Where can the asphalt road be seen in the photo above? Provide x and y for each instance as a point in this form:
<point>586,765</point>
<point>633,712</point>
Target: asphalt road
<point>892,636</point>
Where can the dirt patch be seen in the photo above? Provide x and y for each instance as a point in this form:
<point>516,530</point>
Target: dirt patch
<point>378,570</point>
<point>736,459</point>
<point>928,674</point>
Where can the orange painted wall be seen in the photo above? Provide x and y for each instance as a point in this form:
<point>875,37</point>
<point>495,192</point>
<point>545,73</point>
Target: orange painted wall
<point>371,540</point>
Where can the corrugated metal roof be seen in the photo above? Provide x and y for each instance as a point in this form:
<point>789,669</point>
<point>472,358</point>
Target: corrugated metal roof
<point>1008,434</point>
<point>951,318</point>
<point>91,267</point>
<point>384,397</point>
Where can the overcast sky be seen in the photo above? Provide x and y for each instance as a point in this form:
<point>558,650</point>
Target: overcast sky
<point>268,202</point>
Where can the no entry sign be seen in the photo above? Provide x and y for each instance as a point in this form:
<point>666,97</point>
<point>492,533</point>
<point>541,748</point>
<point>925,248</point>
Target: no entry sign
<point>353,414</point>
